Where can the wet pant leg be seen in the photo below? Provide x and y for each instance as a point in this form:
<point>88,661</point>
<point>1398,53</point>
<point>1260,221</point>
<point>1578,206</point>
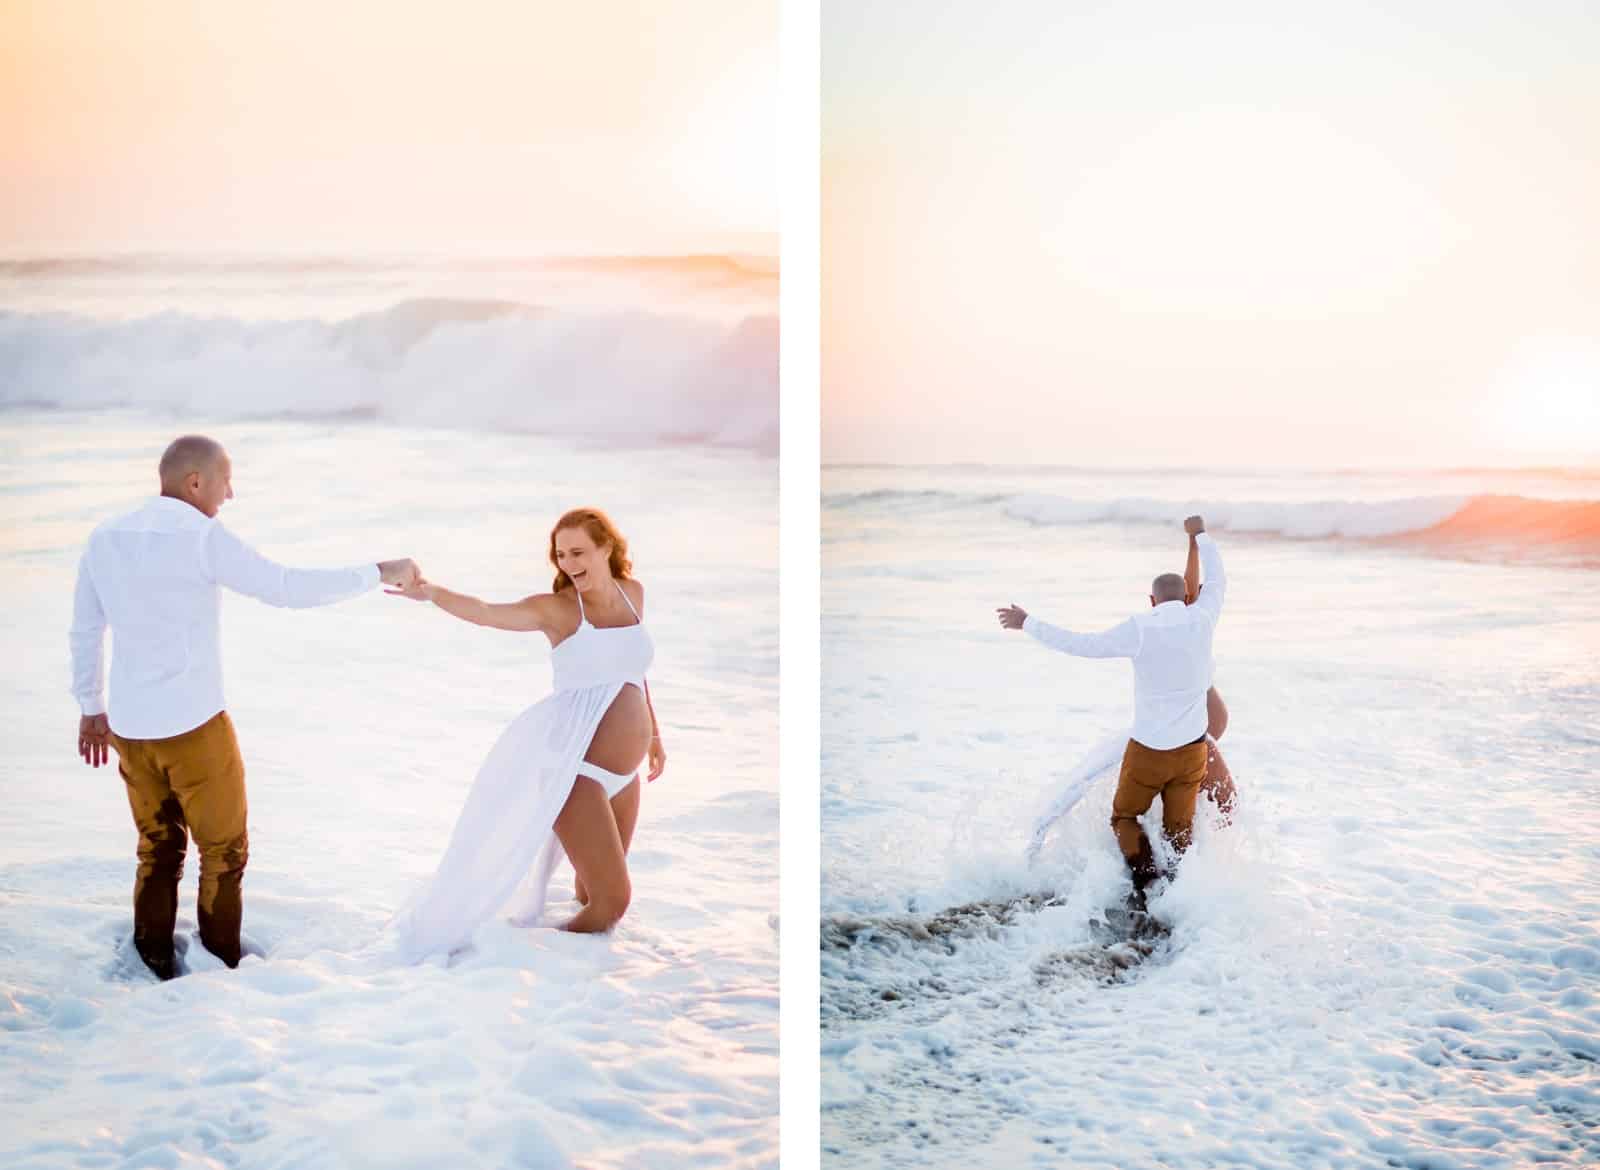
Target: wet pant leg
<point>163,840</point>
<point>207,776</point>
<point>1174,775</point>
<point>192,782</point>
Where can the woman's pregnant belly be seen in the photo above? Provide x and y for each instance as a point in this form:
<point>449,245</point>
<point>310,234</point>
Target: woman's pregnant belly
<point>623,736</point>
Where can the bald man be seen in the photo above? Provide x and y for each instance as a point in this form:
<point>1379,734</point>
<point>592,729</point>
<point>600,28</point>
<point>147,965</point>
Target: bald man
<point>153,576</point>
<point>1170,644</point>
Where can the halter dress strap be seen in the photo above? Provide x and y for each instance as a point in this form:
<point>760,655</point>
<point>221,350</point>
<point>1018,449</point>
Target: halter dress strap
<point>583,618</point>
<point>629,604</point>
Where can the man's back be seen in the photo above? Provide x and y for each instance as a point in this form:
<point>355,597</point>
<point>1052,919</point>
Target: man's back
<point>152,575</point>
<point>1171,673</point>
<point>149,578</point>
<point>1170,646</point>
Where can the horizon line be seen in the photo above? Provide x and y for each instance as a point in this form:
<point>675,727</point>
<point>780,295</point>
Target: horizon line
<point>1586,466</point>
<point>473,253</point>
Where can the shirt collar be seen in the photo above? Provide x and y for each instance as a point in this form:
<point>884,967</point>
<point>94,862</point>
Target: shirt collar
<point>166,505</point>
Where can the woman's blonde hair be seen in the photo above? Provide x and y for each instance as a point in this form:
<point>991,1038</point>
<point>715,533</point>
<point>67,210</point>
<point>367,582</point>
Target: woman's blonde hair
<point>602,531</point>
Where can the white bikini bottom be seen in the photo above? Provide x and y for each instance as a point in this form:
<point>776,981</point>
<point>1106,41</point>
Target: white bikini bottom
<point>612,782</point>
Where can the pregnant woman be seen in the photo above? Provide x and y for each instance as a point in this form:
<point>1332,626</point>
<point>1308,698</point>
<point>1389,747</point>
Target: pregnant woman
<point>562,778</point>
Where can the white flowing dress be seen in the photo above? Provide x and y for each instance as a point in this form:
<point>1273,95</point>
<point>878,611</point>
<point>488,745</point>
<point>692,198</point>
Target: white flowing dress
<point>1100,760</point>
<point>1103,759</point>
<point>505,833</point>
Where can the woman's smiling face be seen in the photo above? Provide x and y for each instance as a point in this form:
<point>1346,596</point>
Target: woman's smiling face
<point>577,555</point>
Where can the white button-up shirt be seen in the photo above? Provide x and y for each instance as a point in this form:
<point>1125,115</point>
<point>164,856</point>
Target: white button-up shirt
<point>152,576</point>
<point>1170,645</point>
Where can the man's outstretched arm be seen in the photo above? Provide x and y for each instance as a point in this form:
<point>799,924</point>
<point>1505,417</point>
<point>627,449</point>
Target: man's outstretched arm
<point>241,568</point>
<point>1122,640</point>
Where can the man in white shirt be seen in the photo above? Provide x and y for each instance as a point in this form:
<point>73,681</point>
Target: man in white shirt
<point>1170,645</point>
<point>153,577</point>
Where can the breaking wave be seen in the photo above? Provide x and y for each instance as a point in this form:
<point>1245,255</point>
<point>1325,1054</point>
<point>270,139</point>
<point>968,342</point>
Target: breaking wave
<point>632,376</point>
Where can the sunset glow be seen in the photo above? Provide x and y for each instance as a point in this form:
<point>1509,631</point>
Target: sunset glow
<point>482,126</point>
<point>1258,236</point>
<point>1549,400</point>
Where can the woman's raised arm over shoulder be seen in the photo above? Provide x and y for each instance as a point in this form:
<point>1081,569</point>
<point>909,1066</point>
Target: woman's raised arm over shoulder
<point>1191,572</point>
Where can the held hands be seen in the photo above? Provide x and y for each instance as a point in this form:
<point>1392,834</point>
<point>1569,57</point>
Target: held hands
<point>406,578</point>
<point>94,739</point>
<point>658,759</point>
<point>418,590</point>
<point>1194,526</point>
<point>1012,617</point>
<point>403,572</point>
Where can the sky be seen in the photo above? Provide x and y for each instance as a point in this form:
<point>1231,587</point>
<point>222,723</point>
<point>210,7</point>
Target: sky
<point>1256,234</point>
<point>371,126</point>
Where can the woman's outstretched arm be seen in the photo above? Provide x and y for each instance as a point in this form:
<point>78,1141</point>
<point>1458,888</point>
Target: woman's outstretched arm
<point>1191,572</point>
<point>526,616</point>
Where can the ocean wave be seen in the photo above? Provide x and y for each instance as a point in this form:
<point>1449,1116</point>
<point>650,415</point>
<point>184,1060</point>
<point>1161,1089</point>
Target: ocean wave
<point>910,502</point>
<point>1573,524</point>
<point>1433,520</point>
<point>744,267</point>
<point>752,274</point>
<point>633,376</point>
<point>164,264</point>
<point>1454,523</point>
<point>1295,520</point>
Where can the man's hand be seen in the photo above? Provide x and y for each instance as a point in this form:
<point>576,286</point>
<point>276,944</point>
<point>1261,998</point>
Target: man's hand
<point>1012,617</point>
<point>1194,526</point>
<point>403,572</point>
<point>94,739</point>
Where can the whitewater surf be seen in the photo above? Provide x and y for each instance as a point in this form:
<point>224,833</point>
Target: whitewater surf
<point>1390,952</point>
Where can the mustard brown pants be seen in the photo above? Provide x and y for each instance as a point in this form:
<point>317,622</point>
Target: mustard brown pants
<point>189,784</point>
<point>1174,775</point>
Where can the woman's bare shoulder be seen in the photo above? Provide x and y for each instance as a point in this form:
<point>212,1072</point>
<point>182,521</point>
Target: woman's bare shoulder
<point>549,604</point>
<point>555,613</point>
<point>635,591</point>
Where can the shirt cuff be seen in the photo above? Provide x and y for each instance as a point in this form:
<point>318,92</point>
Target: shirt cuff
<point>95,706</point>
<point>1030,625</point>
<point>370,576</point>
<point>1202,536</point>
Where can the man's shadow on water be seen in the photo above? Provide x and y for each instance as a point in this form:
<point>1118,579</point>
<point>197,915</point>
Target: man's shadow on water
<point>1121,941</point>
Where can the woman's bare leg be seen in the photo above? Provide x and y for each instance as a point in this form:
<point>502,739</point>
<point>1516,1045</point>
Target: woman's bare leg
<point>625,807</point>
<point>587,829</point>
<point>618,745</point>
<point>1218,784</point>
<point>1216,714</point>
